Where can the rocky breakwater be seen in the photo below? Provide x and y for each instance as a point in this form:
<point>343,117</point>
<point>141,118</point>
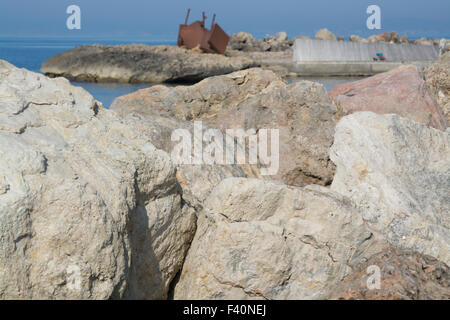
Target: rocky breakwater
<point>244,41</point>
<point>89,208</point>
<point>394,37</point>
<point>254,99</point>
<point>92,205</point>
<point>388,203</point>
<point>140,64</point>
<point>262,240</point>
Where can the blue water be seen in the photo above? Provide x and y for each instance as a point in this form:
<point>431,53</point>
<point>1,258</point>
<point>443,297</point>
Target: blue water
<point>30,53</point>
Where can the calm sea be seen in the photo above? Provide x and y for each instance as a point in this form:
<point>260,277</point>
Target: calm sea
<point>30,53</point>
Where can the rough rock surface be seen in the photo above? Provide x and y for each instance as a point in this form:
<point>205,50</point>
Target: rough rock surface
<point>277,61</point>
<point>140,64</point>
<point>254,99</point>
<point>325,34</point>
<point>244,41</point>
<point>261,240</point>
<point>89,209</point>
<point>404,275</point>
<point>397,172</point>
<point>401,91</point>
<point>438,80</point>
<point>196,180</point>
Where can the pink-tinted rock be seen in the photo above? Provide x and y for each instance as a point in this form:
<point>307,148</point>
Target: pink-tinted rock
<point>401,91</point>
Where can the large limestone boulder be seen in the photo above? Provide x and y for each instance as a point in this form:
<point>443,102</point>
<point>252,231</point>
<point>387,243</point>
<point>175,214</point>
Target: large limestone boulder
<point>397,172</point>
<point>254,99</point>
<point>404,275</point>
<point>196,180</point>
<point>261,240</point>
<point>325,34</point>
<point>140,64</point>
<point>89,208</point>
<point>438,81</point>
<point>401,91</point>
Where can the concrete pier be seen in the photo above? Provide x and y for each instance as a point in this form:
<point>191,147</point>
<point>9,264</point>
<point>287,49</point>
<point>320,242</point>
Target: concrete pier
<point>341,58</point>
<point>323,50</point>
<point>339,68</point>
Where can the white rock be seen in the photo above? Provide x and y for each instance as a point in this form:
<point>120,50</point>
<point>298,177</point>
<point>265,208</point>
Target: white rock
<point>89,209</point>
<point>397,171</point>
<point>258,239</point>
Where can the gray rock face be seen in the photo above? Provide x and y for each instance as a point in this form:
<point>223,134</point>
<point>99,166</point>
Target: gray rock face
<point>89,209</point>
<point>254,99</point>
<point>140,64</point>
<point>260,240</point>
<point>388,206</point>
<point>397,172</point>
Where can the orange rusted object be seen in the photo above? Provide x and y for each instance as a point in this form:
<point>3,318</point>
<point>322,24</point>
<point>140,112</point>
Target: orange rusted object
<point>194,35</point>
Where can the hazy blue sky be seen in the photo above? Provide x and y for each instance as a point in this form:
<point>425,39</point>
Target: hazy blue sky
<point>160,19</point>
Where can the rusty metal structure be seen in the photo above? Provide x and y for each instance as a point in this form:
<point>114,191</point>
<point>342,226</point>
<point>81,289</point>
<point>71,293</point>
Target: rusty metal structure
<point>214,40</point>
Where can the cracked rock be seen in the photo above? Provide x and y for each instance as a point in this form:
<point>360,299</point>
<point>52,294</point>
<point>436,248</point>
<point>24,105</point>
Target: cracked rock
<point>254,99</point>
<point>396,171</point>
<point>89,208</point>
<point>254,242</point>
